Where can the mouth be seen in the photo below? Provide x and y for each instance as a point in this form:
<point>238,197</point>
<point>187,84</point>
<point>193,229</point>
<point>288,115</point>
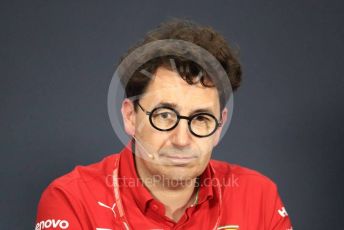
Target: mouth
<point>178,160</point>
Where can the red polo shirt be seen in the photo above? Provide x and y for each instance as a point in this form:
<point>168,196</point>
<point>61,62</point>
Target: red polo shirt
<point>230,197</point>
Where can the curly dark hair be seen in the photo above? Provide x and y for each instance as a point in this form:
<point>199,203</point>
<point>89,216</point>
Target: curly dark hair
<point>189,31</point>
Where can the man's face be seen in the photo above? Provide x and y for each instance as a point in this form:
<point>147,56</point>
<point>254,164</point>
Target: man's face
<point>176,154</point>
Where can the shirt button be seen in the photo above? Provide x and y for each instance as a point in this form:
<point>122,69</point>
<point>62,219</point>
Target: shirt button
<point>155,207</point>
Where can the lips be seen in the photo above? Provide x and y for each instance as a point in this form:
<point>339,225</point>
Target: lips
<point>177,159</point>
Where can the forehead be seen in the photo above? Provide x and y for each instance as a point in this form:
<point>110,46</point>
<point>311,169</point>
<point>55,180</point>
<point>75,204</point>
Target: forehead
<point>168,86</point>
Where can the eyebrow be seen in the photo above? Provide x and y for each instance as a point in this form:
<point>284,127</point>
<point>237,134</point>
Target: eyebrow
<point>175,106</point>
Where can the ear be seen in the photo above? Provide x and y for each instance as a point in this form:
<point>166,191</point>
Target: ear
<point>219,130</point>
<point>128,115</point>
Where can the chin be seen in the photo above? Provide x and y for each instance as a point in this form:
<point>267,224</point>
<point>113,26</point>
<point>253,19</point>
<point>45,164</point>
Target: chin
<point>180,174</point>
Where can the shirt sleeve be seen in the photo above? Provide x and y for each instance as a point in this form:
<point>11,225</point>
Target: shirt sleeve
<point>277,218</point>
<point>57,209</point>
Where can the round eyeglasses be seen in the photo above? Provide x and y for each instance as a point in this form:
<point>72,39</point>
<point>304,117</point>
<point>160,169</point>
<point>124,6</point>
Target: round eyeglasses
<point>165,119</point>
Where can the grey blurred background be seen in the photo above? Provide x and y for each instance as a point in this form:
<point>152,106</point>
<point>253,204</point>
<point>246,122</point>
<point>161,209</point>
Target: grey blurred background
<point>58,57</point>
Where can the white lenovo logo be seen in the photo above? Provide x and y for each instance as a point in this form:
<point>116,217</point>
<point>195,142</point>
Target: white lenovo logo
<point>45,224</point>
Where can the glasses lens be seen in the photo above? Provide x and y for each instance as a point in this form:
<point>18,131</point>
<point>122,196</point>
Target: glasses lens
<point>164,118</point>
<point>203,124</point>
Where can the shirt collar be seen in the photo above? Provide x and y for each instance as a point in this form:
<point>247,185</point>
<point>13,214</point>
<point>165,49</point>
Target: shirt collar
<point>206,185</point>
<point>141,194</point>
<point>131,180</point>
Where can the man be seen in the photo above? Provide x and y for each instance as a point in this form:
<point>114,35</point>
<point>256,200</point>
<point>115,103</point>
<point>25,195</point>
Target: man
<point>164,178</point>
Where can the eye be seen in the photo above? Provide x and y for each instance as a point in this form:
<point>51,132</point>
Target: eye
<point>165,115</point>
<point>202,118</point>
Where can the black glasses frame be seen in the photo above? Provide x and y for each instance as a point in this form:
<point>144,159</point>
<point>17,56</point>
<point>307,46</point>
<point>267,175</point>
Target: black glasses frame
<point>189,119</point>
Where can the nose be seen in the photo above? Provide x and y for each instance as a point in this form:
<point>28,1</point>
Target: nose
<point>181,135</point>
